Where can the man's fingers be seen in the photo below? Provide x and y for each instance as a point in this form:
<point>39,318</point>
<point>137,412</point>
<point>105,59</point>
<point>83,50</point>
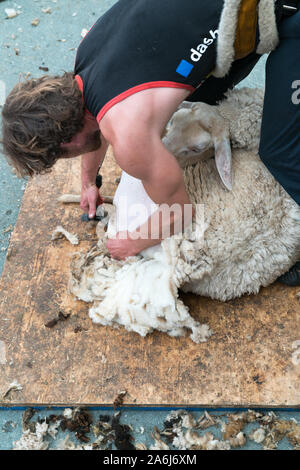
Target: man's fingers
<point>92,213</point>
<point>84,207</point>
<point>90,200</point>
<point>92,208</point>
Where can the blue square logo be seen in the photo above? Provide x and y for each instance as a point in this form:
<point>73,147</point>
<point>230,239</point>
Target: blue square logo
<point>184,68</point>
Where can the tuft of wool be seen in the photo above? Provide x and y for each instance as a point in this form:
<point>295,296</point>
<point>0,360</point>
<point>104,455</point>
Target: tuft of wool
<point>60,232</point>
<point>258,435</point>
<point>13,386</point>
<point>159,444</point>
<point>33,441</point>
<point>238,441</point>
<point>242,109</point>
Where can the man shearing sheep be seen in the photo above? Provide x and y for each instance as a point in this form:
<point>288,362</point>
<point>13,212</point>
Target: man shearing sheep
<point>138,62</point>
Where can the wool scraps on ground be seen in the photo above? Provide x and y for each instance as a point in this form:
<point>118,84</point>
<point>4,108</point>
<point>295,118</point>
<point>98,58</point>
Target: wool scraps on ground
<point>79,422</point>
<point>108,430</point>
<point>181,430</point>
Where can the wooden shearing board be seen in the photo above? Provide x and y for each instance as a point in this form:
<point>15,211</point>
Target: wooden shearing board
<point>246,363</point>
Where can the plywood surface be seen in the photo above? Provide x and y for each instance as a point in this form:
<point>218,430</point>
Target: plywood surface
<point>247,362</point>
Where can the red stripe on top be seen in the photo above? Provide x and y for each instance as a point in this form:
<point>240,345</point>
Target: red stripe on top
<point>80,85</point>
<point>136,89</point>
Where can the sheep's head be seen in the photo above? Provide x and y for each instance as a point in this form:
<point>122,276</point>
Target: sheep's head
<point>198,132</point>
<point>187,140</point>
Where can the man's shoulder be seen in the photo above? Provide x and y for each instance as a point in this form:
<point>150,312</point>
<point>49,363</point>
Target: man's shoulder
<point>128,114</point>
<point>151,107</point>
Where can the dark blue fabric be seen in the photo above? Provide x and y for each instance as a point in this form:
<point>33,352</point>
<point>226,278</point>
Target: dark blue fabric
<point>280,131</point>
<point>141,41</point>
<point>213,89</point>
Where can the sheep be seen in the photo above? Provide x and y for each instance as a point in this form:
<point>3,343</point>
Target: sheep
<point>241,112</point>
<point>236,121</point>
<point>250,232</point>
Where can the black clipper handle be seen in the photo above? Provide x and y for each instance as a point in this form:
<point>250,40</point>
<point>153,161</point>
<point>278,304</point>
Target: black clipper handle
<point>99,181</point>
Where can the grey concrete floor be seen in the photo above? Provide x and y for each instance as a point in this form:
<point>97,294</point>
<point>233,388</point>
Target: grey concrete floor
<point>23,49</point>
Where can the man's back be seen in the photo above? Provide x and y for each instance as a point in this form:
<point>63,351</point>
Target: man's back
<point>138,45</point>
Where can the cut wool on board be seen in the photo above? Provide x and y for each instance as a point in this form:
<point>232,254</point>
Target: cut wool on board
<point>140,294</point>
<point>60,232</point>
<point>14,386</point>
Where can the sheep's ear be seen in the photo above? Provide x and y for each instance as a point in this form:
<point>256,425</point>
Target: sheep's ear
<point>223,160</point>
<point>211,120</point>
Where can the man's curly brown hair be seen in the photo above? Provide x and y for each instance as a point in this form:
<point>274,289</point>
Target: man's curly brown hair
<point>39,115</point>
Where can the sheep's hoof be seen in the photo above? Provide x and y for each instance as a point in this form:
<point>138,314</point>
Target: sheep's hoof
<point>292,277</point>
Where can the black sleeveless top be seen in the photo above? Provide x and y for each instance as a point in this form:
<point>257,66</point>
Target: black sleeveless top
<point>141,44</point>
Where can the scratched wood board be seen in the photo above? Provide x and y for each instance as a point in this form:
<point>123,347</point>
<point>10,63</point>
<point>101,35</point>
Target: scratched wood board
<point>246,363</point>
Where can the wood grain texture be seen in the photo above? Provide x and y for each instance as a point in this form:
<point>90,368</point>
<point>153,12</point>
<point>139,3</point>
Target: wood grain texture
<point>247,362</point>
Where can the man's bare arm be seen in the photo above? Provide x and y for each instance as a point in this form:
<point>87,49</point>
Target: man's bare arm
<point>163,180</point>
<point>164,184</point>
<point>90,163</point>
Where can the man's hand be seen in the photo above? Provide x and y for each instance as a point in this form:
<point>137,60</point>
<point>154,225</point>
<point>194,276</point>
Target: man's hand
<point>90,162</point>
<point>90,200</point>
<point>123,246</point>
